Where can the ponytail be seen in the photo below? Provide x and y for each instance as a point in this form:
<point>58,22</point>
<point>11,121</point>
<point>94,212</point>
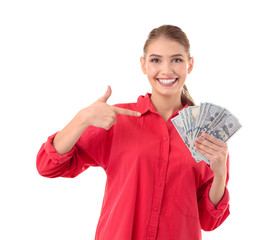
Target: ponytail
<point>186,97</point>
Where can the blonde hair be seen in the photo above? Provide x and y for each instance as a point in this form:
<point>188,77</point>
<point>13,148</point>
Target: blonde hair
<point>176,34</point>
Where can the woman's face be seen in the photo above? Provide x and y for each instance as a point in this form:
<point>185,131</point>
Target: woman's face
<point>166,64</point>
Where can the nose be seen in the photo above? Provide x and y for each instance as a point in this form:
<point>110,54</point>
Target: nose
<point>167,69</point>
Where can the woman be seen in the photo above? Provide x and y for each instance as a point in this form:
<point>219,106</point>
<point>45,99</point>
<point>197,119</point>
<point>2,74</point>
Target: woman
<point>154,188</point>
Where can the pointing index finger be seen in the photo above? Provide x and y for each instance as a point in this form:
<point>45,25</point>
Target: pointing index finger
<point>128,112</point>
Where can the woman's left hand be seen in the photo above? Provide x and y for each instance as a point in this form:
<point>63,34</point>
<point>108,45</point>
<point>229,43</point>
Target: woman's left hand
<point>215,150</point>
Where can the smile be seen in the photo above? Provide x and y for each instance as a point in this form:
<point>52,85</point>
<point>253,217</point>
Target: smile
<point>167,82</point>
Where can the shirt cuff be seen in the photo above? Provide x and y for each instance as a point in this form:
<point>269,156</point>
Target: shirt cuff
<point>219,210</point>
<point>54,155</point>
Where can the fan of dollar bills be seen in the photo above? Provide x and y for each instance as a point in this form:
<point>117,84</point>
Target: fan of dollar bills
<point>209,118</point>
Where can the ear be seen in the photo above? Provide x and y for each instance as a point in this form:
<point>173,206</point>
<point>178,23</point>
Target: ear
<point>143,64</point>
<point>190,64</point>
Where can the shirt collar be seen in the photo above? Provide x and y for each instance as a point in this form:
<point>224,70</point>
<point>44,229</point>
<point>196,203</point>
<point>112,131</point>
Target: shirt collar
<point>144,105</point>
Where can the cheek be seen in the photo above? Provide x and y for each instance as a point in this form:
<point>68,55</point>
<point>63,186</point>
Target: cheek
<point>181,70</point>
<point>152,70</point>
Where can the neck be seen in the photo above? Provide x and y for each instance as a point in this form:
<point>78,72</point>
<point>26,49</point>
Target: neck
<point>166,105</point>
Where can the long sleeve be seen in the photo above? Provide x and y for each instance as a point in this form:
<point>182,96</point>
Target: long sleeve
<point>90,150</point>
<point>212,217</point>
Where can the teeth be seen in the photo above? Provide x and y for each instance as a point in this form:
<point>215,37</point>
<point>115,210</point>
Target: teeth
<point>167,81</point>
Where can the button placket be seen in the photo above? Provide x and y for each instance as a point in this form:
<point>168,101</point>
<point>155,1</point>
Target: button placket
<point>159,188</point>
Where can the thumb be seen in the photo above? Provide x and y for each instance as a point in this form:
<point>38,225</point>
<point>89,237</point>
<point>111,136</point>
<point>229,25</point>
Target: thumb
<point>107,94</point>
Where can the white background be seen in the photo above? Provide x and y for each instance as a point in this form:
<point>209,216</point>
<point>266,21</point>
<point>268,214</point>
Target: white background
<point>57,57</point>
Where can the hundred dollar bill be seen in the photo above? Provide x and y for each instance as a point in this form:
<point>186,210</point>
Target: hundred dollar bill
<point>193,113</point>
<point>193,116</point>
<point>200,117</point>
<point>178,123</point>
<point>185,118</point>
<point>223,114</point>
<point>180,126</point>
<point>226,128</point>
<point>209,117</point>
<point>183,124</point>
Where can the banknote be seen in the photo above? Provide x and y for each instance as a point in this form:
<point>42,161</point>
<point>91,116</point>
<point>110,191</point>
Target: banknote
<point>182,130</point>
<point>209,118</point>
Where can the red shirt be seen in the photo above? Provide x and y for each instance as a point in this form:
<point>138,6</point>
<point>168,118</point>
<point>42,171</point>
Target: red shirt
<point>154,188</point>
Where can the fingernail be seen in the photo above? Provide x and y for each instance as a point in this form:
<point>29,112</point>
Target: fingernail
<point>138,114</point>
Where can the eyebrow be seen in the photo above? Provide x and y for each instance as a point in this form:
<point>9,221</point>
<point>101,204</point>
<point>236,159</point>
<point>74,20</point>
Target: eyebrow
<point>175,55</point>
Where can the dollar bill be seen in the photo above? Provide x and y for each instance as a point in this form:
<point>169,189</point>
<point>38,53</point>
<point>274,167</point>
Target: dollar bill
<point>210,118</point>
<point>226,128</point>
<point>181,128</point>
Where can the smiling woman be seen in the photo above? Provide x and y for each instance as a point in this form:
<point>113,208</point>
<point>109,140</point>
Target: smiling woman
<point>154,189</point>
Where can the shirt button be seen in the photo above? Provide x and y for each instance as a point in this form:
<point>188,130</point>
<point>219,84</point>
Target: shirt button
<point>160,184</point>
<point>156,209</point>
<point>165,139</point>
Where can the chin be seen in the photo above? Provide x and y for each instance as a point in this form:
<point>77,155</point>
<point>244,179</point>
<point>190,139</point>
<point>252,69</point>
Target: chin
<point>168,93</point>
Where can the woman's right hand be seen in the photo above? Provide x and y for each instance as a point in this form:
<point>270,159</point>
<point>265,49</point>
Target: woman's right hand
<point>100,114</point>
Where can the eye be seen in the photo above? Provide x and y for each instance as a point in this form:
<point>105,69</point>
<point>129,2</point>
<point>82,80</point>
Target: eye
<point>155,60</point>
<point>177,60</point>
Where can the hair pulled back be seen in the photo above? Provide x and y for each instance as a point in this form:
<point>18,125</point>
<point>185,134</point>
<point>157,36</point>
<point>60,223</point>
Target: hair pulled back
<point>173,33</point>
